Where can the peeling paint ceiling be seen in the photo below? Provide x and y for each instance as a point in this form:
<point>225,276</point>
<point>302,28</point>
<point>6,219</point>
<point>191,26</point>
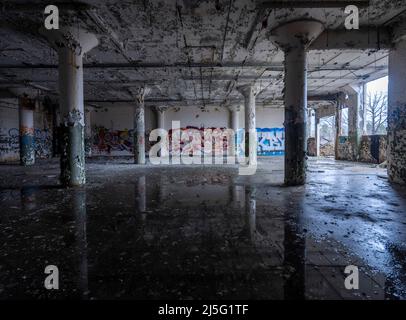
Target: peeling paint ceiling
<point>190,52</point>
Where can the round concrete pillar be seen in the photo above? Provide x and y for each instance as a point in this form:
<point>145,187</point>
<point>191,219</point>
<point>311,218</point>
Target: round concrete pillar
<point>249,94</point>
<point>139,125</point>
<point>397,114</point>
<point>160,124</point>
<point>160,117</point>
<point>293,38</point>
<point>73,124</point>
<point>27,139</point>
<point>71,44</point>
<point>234,114</point>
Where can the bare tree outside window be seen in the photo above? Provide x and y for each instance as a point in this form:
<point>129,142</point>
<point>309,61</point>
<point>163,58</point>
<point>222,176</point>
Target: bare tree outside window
<point>377,113</point>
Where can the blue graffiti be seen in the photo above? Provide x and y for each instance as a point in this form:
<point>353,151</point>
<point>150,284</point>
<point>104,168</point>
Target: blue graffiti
<point>270,141</point>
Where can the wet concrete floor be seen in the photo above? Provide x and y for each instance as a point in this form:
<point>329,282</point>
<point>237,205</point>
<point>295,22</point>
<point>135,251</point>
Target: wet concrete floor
<point>189,232</point>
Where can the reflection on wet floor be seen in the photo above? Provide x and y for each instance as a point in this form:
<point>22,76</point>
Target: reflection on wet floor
<point>193,233</point>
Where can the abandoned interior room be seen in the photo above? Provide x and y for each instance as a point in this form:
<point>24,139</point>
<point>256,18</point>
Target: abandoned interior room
<point>203,149</point>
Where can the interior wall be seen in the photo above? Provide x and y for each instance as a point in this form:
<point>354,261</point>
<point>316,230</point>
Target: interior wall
<point>196,117</point>
<point>112,127</point>
<point>9,132</point>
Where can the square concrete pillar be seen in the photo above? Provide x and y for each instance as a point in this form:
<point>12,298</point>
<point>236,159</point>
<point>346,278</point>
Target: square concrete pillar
<point>397,114</point>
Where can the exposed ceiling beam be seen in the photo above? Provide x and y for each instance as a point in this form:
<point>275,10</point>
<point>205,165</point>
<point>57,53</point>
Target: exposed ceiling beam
<point>149,65</point>
<point>313,4</point>
<point>35,6</point>
<point>188,101</point>
<point>363,39</point>
<point>104,27</point>
<point>135,66</point>
<point>328,97</point>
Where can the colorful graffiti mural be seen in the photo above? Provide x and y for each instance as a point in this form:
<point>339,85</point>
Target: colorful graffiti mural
<point>43,143</point>
<point>112,142</point>
<point>192,146</point>
<point>271,141</point>
<point>10,143</point>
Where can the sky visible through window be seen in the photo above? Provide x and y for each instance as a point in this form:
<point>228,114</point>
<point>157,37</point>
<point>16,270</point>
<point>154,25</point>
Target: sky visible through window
<point>377,106</point>
<point>375,87</point>
<point>379,85</point>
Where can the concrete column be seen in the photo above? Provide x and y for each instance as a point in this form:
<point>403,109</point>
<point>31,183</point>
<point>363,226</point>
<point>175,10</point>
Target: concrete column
<point>249,94</point>
<point>363,111</point>
<point>160,124</point>
<point>27,139</point>
<point>397,113</point>
<point>308,123</point>
<point>354,119</point>
<point>88,133</point>
<point>139,125</point>
<point>337,119</point>
<point>71,94</point>
<point>160,117</point>
<point>317,133</point>
<point>234,115</point>
<point>56,122</point>
<point>71,44</point>
<point>293,38</point>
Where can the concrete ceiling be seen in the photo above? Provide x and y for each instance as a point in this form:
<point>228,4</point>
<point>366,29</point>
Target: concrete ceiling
<point>191,52</point>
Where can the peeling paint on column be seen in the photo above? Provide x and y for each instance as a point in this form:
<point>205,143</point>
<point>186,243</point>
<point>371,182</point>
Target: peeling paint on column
<point>71,43</point>
<point>294,37</point>
<point>73,150</point>
<point>139,125</point>
<point>397,144</point>
<point>27,139</point>
<point>295,127</point>
<point>251,140</point>
<point>27,146</point>
<point>397,114</point>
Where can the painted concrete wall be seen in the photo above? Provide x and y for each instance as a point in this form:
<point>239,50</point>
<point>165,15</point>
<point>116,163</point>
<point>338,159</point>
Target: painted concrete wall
<point>112,127</point>
<point>195,117</point>
<point>373,149</point>
<point>9,132</point>
<point>220,117</point>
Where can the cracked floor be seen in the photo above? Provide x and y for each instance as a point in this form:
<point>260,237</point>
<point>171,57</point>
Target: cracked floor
<point>195,232</point>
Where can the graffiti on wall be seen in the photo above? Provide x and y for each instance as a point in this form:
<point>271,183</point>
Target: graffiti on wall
<point>192,146</point>
<point>106,141</point>
<point>10,142</point>
<point>271,141</point>
<point>43,143</point>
